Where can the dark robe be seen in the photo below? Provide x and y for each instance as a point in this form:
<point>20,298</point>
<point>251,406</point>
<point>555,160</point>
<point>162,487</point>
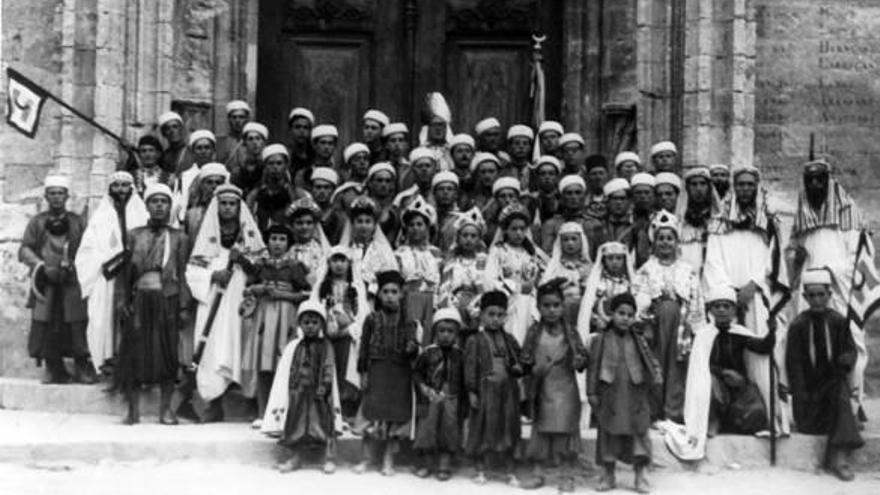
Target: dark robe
<point>439,425</point>
<point>739,410</point>
<point>310,411</point>
<point>819,354</point>
<point>59,316</point>
<point>388,347</point>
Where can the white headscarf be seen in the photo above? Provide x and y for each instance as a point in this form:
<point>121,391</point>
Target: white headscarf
<point>554,268</point>
<point>207,245</point>
<point>589,300</point>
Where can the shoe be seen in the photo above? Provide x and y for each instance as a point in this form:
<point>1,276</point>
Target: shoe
<point>361,467</point>
<point>533,483</point>
<point>290,465</point>
<point>423,472</point>
<point>167,417</point>
<point>84,372</point>
<point>843,472</point>
<point>641,484</point>
<point>56,373</point>
<point>566,485</point>
<point>444,475</point>
<point>329,467</point>
<point>513,481</point>
<point>480,478</point>
<point>257,424</point>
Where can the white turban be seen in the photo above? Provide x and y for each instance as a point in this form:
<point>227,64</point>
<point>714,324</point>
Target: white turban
<point>698,171</point>
<point>381,167</point>
<point>237,105</point>
<point>255,127</point>
<point>626,156</point>
<point>62,181</point>
<point>302,112</point>
<point>572,180</point>
<point>667,178</point>
<point>445,176</point>
<point>721,293</point>
<point>462,140</point>
<point>421,153</point>
<point>121,176</point>
<point>550,126</point>
<point>549,160</point>
<point>201,134</point>
<point>718,166</point>
<point>481,157</point>
<point>311,306</point>
<point>663,146</point>
<point>326,174</point>
<point>168,117</point>
<point>486,124</point>
<point>324,130</point>
<point>642,179</point>
<point>520,130</point>
<point>395,128</point>
<point>506,183</point>
<point>747,169</point>
<point>156,188</point>
<point>571,137</point>
<point>378,116</point>
<point>816,276</point>
<point>353,149</point>
<point>274,149</point>
<point>447,314</point>
<point>213,168</point>
<point>615,185</point>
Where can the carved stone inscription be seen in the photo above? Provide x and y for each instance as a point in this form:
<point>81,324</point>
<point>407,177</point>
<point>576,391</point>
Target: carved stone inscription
<point>818,71</point>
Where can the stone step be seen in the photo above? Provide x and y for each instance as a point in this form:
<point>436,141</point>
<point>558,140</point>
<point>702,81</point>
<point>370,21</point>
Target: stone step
<point>39,437</point>
<point>27,394</point>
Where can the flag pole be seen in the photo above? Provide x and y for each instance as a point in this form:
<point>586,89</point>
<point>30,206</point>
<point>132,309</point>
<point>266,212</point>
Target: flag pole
<point>64,104</point>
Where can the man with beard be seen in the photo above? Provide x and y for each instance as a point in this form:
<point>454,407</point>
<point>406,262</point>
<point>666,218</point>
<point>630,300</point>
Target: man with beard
<point>664,157</point>
<point>396,138</point>
<point>696,207</point>
<point>58,320</point>
<point>825,234</point>
<point>519,146</point>
<point>743,252</point>
<point>642,192</point>
<point>300,122</point>
<point>462,148</point>
<point>246,165</point>
<point>572,208</point>
<point>238,113</point>
<point>667,187</point>
<point>371,134</point>
<point>380,188</point>
<point>356,162</point>
<point>101,265</point>
<point>176,156</point>
<point>270,199</point>
<point>549,133</point>
<point>211,175</point>
<point>324,140</point>
<point>596,167</point>
<point>324,182</point>
<point>201,144</point>
<point>720,179</point>
<point>444,187</point>
<point>218,268</point>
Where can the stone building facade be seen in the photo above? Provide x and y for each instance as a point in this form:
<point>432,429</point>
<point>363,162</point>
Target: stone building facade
<point>731,81</point>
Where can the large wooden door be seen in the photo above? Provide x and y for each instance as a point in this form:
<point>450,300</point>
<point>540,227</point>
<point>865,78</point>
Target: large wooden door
<point>340,57</point>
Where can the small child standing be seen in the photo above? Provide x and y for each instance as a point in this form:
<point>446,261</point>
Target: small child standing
<point>462,277</point>
<point>491,371</point>
<point>570,259</point>
<point>388,348</point>
<point>622,371</point>
<point>552,354</point>
<point>439,377</point>
<point>419,263</point>
<point>304,403</point>
<point>611,275</point>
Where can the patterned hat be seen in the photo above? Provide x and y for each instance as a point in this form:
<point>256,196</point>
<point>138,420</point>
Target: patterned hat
<point>663,220</point>
<point>304,206</point>
<point>420,207</point>
<point>513,211</point>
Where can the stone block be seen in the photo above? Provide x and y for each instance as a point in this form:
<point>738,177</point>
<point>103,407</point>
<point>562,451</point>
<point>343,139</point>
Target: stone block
<point>23,183</point>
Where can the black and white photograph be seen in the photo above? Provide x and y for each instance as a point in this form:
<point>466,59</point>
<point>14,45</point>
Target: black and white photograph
<point>377,247</point>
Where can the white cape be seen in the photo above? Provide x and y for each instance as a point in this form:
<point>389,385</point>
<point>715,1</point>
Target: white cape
<point>101,241</point>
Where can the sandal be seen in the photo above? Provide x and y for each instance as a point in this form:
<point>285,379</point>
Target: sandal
<point>480,478</point>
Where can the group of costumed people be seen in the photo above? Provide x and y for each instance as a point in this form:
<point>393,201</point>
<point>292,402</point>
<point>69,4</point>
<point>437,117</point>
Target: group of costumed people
<point>442,296</point>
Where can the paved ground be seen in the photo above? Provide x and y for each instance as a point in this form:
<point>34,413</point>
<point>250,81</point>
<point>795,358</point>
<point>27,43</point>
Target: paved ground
<point>231,479</point>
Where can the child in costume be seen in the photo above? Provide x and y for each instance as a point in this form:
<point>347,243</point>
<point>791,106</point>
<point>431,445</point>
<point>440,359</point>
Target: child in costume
<point>570,259</point>
<point>269,311</point>
<point>367,246</point>
<point>612,274</point>
<point>491,371</point>
<point>303,407</point>
<point>439,378</point>
<point>387,350</point>
<point>419,263</point>
<point>552,355</point>
<point>308,243</point>
<point>463,270</point>
<point>515,261</point>
<point>345,299</point>
<point>622,371</point>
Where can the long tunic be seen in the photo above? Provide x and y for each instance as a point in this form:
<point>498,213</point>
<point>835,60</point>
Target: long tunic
<point>495,424</point>
<point>420,268</point>
<point>439,426</point>
<point>819,354</point>
<point>58,320</point>
<point>514,266</point>
<point>149,347</point>
<point>310,414</point>
<point>388,347</point>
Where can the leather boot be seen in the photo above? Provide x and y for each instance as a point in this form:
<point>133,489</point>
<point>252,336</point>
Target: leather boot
<point>185,391</point>
<point>214,412</point>
<point>84,371</point>
<point>641,483</point>
<point>606,479</point>
<point>166,415</point>
<point>133,398</point>
<point>56,372</point>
